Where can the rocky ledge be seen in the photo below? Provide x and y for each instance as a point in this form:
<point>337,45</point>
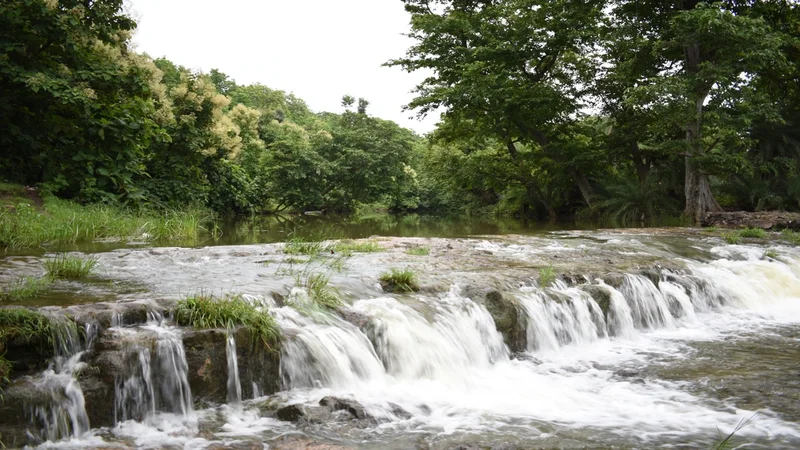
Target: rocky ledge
<point>768,220</point>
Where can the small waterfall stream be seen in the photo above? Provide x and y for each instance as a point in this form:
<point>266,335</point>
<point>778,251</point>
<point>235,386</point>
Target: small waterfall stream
<point>234,384</point>
<point>157,379</point>
<point>64,414</point>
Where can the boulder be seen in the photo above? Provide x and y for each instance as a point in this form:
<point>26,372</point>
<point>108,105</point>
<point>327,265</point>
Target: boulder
<point>507,313</point>
<point>600,295</point>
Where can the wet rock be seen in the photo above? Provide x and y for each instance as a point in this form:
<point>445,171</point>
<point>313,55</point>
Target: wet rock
<point>356,318</point>
<point>768,220</point>
<point>654,275</point>
<point>291,413</point>
<point>208,365</point>
<point>338,404</point>
<point>600,295</point>
<point>506,312</point>
<point>613,279</point>
<point>15,421</point>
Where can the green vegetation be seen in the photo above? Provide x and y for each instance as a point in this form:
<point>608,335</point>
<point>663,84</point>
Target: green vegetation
<point>63,222</point>
<point>770,254</point>
<point>732,238</point>
<point>726,442</point>
<point>419,251</point>
<point>791,235</point>
<point>302,246</point>
<point>696,108</point>
<point>316,285</point>
<point>207,311</point>
<point>22,323</point>
<point>68,267</point>
<point>710,229</point>
<point>350,247</point>
<point>23,288</point>
<point>399,280</point>
<point>547,276</point>
<point>757,233</point>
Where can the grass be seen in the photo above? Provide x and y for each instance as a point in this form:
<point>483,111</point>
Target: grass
<point>710,229</point>
<point>547,276</point>
<point>726,442</point>
<point>319,291</point>
<point>22,323</point>
<point>23,288</point>
<point>791,235</point>
<point>757,233</point>
<point>771,254</point>
<point>209,312</point>
<point>399,280</point>
<point>68,267</point>
<point>62,222</point>
<point>732,238</point>
<point>350,247</point>
<point>304,246</point>
<point>419,251</point>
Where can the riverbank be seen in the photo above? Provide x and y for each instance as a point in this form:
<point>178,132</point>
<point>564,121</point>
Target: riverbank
<point>28,219</point>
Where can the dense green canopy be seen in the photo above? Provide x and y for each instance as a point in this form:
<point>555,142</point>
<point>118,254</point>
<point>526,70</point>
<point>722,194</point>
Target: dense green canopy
<point>634,109</point>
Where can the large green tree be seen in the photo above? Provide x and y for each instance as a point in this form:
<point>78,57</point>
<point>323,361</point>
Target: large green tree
<point>510,70</point>
<point>78,109</point>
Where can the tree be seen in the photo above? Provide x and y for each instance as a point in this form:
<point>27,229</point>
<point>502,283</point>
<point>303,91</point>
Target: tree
<point>706,57</point>
<point>511,70</point>
<point>78,108</point>
<point>348,101</point>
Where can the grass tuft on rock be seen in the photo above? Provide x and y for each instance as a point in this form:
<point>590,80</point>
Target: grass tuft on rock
<point>399,280</point>
<point>547,276</point>
<point>756,233</point>
<point>732,238</point>
<point>419,251</point>
<point>319,291</point>
<point>69,267</point>
<point>304,246</point>
<point>23,288</point>
<point>24,323</point>
<point>349,247</point>
<point>204,311</point>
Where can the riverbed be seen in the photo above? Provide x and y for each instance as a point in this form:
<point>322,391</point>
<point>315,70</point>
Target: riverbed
<point>644,338</point>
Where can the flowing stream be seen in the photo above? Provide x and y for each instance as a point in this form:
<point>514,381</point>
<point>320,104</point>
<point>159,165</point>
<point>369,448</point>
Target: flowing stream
<point>637,361</point>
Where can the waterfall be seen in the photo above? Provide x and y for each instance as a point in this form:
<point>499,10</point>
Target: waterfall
<point>157,378</point>
<point>234,385</point>
<point>63,414</point>
<point>561,316</point>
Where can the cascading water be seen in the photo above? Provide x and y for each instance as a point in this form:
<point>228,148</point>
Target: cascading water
<point>63,413</point>
<point>234,384</point>
<point>157,380</point>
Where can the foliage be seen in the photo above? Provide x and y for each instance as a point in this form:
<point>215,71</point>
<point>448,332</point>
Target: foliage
<point>24,323</point>
<point>207,311</point>
<point>419,251</point>
<point>23,288</point>
<point>399,280</point>
<point>69,267</point>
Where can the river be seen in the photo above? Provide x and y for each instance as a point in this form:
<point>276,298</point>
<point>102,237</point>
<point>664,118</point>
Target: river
<point>647,338</point>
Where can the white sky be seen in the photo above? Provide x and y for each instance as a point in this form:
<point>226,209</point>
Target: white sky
<point>317,49</point>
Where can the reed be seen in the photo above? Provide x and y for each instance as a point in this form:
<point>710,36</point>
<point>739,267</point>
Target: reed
<point>69,267</point>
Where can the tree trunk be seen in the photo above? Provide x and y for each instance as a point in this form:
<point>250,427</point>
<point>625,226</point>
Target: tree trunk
<point>587,192</point>
<point>642,165</point>
<point>699,199</point>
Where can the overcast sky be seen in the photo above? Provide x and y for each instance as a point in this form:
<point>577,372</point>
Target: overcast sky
<point>317,49</point>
